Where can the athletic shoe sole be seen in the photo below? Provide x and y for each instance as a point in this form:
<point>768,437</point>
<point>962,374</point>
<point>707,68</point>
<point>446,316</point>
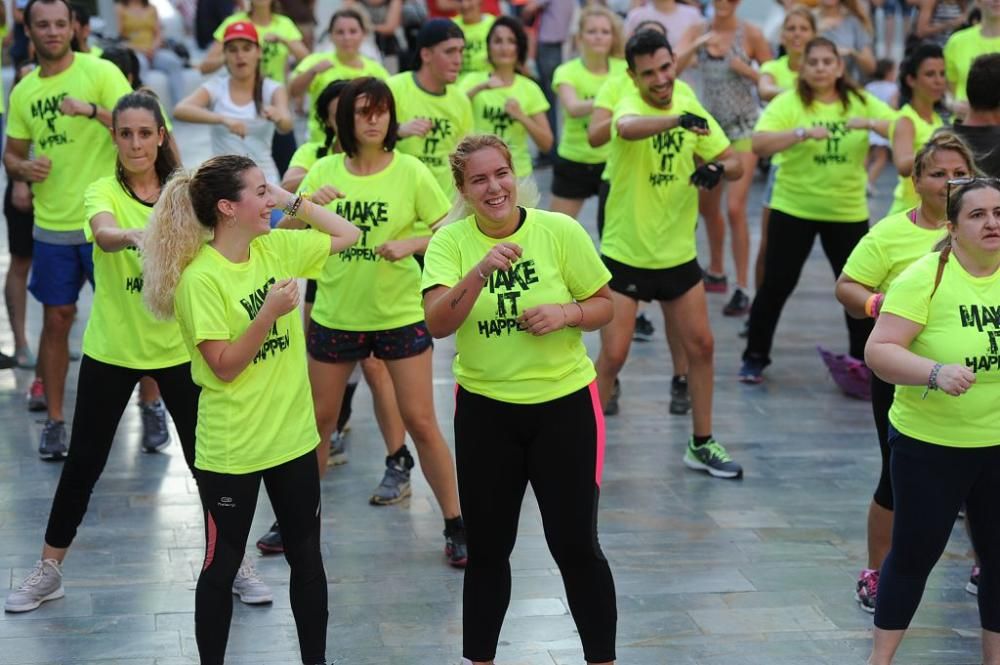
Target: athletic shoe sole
<point>253,600</point>
<point>52,457</point>
<point>270,549</point>
<point>972,588</point>
<point>698,466</point>
<point>379,501</point>
<point>857,599</point>
<point>679,409</point>
<point>156,449</point>
<point>58,593</point>
<point>751,379</point>
<point>455,563</point>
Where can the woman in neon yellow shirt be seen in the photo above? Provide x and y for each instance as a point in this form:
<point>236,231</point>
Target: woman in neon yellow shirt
<point>821,131</point>
<point>368,300</point>
<point>122,342</point>
<point>505,102</point>
<point>213,263</point>
<point>518,286</point>
<point>892,245</point>
<point>922,87</point>
<point>347,30</point>
<point>576,174</point>
<point>777,76</point>
<point>936,339</point>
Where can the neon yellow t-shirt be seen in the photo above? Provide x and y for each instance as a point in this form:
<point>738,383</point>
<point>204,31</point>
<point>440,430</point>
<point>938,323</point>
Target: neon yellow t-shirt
<point>475,57</point>
<point>573,143</point>
<point>888,249</point>
<point>815,173</point>
<point>273,54</point>
<point>451,121</point>
<point>961,50</point>
<point>359,290</point>
<point>81,149</point>
<point>489,116</point>
<point>264,417</point>
<point>784,77</point>
<point>339,72</point>
<point>121,330</point>
<point>652,208</point>
<point>905,196</point>
<point>620,85</point>
<point>305,155</point>
<point>558,266</point>
<point>960,327</point>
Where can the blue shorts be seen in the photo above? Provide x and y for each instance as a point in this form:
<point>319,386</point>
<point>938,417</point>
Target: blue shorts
<point>59,271</point>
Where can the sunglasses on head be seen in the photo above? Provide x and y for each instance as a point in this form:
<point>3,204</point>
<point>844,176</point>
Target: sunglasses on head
<point>958,183</point>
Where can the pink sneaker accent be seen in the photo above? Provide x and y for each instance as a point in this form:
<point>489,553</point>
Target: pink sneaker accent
<point>867,589</point>
<point>851,375</point>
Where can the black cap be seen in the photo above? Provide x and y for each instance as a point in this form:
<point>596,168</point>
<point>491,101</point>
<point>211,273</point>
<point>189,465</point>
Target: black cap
<point>437,30</point>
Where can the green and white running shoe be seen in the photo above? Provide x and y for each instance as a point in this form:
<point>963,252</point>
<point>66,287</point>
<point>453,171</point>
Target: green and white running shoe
<point>712,458</point>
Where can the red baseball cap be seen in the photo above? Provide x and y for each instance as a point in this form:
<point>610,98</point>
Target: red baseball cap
<point>240,30</point>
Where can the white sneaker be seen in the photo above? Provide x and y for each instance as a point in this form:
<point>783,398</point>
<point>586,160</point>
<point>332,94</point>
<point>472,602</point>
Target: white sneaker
<point>43,583</point>
<point>249,587</point>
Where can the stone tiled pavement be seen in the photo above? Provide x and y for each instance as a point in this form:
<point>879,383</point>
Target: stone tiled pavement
<point>708,572</point>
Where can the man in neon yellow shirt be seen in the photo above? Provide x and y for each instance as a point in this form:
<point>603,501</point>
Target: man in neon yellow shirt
<point>649,242</point>
<point>57,139</point>
<point>966,45</point>
<point>475,25</point>
<point>433,114</point>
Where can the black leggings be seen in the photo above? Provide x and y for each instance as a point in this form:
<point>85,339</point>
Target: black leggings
<point>103,392</point>
<point>882,396</point>
<point>789,241</point>
<point>929,485</point>
<point>558,447</point>
<point>229,502</point>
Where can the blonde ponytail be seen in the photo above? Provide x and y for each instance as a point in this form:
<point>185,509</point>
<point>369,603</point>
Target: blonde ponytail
<point>173,238</point>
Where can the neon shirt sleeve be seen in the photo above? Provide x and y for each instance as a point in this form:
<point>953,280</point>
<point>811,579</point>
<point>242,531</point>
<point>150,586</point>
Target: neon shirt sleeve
<point>909,294</point>
<point>202,307</point>
<point>442,262</point>
<point>96,199</point>
<point>583,269</point>
<point>17,127</point>
<point>306,251</point>
<point>431,202</point>
<point>114,85</point>
<point>867,263</point>
<point>563,74</point>
<point>778,116</point>
<point>531,98</point>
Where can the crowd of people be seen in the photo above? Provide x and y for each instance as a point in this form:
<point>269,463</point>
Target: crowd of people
<point>411,211</point>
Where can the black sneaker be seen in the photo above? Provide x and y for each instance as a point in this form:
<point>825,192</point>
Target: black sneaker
<point>270,542</point>
<point>611,408</point>
<point>52,445</point>
<point>643,329</point>
<point>680,398</point>
<point>455,547</point>
<point>738,305</point>
<point>7,362</point>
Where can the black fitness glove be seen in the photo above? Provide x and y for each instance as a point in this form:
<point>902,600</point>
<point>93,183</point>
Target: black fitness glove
<point>708,175</point>
<point>691,121</point>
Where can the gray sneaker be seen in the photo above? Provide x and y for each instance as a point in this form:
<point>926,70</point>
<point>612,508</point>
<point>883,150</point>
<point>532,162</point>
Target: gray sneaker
<point>395,485</point>
<point>155,434</point>
<point>338,447</point>
<point>43,583</point>
<point>53,443</point>
<point>248,585</point>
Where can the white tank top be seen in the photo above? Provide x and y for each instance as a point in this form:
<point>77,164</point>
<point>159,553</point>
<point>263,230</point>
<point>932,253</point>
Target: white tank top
<point>257,143</point>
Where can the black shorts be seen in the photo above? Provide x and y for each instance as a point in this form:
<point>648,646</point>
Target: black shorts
<point>574,180</point>
<point>311,287</point>
<point>341,346</point>
<point>19,226</point>
<point>662,284</point>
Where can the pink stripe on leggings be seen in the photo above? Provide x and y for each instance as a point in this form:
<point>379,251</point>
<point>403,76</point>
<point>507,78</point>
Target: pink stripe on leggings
<point>595,399</point>
<point>211,533</point>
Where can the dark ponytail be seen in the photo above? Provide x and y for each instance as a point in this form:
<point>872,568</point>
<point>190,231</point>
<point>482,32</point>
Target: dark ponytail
<point>330,92</point>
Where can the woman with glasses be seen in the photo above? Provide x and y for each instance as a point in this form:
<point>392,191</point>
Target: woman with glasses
<point>936,340</point>
<point>892,245</point>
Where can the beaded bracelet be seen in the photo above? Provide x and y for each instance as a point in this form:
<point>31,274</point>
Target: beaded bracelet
<point>292,207</point>
<point>932,383</point>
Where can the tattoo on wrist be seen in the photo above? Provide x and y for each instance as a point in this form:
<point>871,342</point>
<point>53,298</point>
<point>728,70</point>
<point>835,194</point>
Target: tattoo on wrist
<point>457,299</point>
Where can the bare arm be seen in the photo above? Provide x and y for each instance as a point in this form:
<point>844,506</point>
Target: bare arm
<point>539,130</point>
<point>278,112</point>
<point>731,163</point>
<point>866,60</point>
<point>639,127</point>
<point>853,296</point>
<point>689,43</point>
<point>112,238</point>
<point>298,49</point>
<point>902,147</point>
<point>19,166</point>
<point>226,359</point>
<point>765,144</point>
<point>214,59</point>
<point>767,88</point>
<point>342,233</point>
<point>293,178</point>
<point>575,107</point>
<point>599,129</point>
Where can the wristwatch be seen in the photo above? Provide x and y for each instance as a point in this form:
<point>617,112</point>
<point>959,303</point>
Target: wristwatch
<point>800,133</point>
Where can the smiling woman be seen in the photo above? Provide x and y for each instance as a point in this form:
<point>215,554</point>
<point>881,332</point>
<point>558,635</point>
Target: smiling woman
<point>518,286</point>
<point>935,340</point>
